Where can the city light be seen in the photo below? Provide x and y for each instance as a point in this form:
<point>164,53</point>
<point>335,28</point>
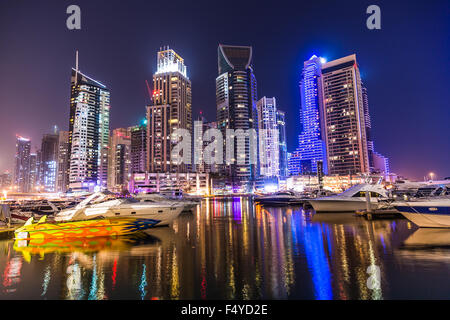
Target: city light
<point>270,188</point>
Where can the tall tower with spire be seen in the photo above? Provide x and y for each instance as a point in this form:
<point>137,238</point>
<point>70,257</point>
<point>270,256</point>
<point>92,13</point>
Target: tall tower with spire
<point>88,132</point>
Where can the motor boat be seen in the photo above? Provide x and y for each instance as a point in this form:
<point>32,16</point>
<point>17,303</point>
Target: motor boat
<point>429,208</point>
<point>21,213</point>
<point>433,212</point>
<point>283,198</point>
<point>89,228</point>
<point>189,204</point>
<point>352,199</point>
<point>106,205</point>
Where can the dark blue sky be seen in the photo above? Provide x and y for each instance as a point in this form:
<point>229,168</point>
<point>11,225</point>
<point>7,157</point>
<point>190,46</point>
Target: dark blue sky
<point>405,65</point>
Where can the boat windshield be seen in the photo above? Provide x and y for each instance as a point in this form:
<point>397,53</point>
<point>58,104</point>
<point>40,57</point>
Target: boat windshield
<point>129,200</point>
<point>356,191</point>
<point>363,194</point>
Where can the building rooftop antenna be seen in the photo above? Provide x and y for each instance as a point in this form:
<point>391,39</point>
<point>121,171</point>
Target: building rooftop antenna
<point>76,67</point>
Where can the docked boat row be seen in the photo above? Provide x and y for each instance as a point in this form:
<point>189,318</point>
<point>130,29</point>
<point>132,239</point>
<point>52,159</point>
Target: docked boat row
<point>352,199</point>
<point>424,204</point>
<point>284,198</point>
<point>99,214</point>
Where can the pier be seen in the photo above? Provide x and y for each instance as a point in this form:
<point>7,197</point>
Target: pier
<point>7,232</point>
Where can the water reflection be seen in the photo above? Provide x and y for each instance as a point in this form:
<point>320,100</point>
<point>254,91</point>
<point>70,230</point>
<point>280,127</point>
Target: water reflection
<point>233,249</point>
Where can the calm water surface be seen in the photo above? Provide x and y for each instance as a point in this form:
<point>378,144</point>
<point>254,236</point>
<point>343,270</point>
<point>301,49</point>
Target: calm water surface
<point>232,249</point>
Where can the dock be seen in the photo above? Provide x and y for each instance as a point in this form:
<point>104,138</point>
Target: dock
<point>379,213</point>
<point>7,233</point>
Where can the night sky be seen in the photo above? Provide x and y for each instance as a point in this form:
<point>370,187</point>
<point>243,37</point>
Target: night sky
<point>405,65</point>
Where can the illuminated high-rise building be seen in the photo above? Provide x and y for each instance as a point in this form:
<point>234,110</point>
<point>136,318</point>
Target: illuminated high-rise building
<point>39,169</point>
<point>138,152</point>
<point>236,99</point>
<point>22,164</point>
<point>119,171</point>
<point>62,181</point>
<point>34,172</point>
<point>282,140</point>
<point>49,160</point>
<point>344,117</point>
<point>88,132</point>
<point>6,180</point>
<point>172,96</point>
<point>269,149</point>
<point>377,162</point>
<point>311,146</point>
<point>201,161</point>
<point>158,138</point>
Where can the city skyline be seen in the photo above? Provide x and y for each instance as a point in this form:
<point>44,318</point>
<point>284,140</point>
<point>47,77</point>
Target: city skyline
<point>387,121</point>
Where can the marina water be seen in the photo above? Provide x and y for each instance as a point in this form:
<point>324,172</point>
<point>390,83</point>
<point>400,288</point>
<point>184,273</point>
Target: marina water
<point>234,249</point>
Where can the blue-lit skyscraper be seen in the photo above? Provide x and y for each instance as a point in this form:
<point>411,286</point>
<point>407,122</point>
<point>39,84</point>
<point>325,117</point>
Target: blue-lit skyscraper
<point>312,147</point>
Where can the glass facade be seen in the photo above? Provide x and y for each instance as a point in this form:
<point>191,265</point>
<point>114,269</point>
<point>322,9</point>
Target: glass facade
<point>312,147</point>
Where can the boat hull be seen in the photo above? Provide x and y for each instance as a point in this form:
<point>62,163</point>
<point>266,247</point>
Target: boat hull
<point>325,205</point>
<point>84,229</point>
<point>426,216</point>
<point>164,218</point>
<point>164,215</point>
<point>280,203</point>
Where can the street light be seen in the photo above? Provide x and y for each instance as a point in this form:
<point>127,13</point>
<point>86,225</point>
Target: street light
<point>431,175</point>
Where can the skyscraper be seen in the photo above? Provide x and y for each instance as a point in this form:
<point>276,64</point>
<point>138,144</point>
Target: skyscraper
<point>173,97</point>
<point>282,140</point>
<point>202,163</point>
<point>377,162</point>
<point>368,123</point>
<point>158,138</point>
<point>34,173</point>
<point>312,147</point>
<point>88,132</point>
<point>236,99</point>
<point>119,159</point>
<point>6,180</point>
<point>49,157</point>
<point>344,117</point>
<point>138,148</point>
<point>62,181</point>
<point>22,164</point>
<point>269,149</point>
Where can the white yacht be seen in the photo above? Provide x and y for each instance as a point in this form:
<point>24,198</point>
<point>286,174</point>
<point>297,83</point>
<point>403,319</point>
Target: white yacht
<point>352,199</point>
<point>188,204</point>
<point>103,204</point>
<point>429,208</point>
<point>433,212</point>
